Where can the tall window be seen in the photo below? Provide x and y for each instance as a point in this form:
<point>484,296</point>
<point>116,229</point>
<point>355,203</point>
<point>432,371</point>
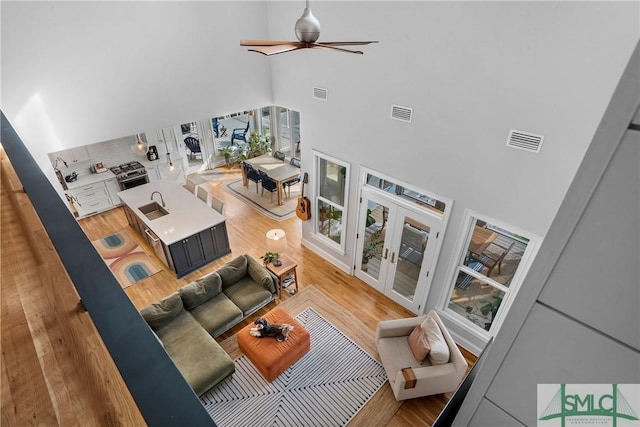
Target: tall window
<point>331,199</point>
<point>491,266</point>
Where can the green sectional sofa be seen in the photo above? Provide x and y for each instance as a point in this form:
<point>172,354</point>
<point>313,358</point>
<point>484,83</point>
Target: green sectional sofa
<point>186,322</point>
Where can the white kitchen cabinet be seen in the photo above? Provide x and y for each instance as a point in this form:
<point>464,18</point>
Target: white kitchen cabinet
<point>80,154</point>
<point>113,188</point>
<point>91,198</point>
<point>70,155</point>
<point>152,173</point>
<point>157,172</point>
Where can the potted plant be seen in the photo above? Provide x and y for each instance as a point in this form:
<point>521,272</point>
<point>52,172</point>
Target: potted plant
<point>227,152</point>
<point>370,219</point>
<point>372,247</point>
<point>258,144</point>
<point>270,257</point>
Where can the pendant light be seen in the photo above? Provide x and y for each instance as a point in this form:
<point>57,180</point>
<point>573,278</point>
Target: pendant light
<point>171,169</point>
<point>140,148</point>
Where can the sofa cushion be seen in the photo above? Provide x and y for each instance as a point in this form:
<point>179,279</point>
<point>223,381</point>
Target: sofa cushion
<point>260,275</point>
<point>233,271</point>
<point>217,314</point>
<point>248,295</point>
<point>198,357</point>
<point>162,312</point>
<point>418,344</point>
<point>439,353</point>
<point>200,290</point>
<point>395,353</point>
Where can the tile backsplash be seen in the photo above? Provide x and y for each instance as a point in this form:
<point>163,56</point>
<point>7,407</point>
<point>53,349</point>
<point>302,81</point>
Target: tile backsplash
<point>110,153</point>
<point>113,152</point>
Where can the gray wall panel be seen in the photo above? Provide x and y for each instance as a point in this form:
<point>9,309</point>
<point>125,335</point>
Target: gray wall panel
<point>489,415</point>
<point>553,349</point>
<point>597,280</point>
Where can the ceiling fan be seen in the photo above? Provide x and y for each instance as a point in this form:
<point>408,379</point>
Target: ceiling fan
<point>307,31</point>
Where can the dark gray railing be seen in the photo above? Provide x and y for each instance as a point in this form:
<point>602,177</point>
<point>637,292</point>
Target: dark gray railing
<point>163,396</point>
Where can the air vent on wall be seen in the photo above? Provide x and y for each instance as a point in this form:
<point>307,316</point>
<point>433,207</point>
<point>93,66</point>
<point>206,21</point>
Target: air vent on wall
<point>525,141</point>
<point>319,93</point>
<point>401,113</point>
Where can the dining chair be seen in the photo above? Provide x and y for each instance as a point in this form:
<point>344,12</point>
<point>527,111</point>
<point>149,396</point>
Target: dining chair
<point>191,186</point>
<point>279,155</point>
<point>268,184</point>
<point>202,193</point>
<point>217,204</point>
<point>286,186</point>
<point>252,174</point>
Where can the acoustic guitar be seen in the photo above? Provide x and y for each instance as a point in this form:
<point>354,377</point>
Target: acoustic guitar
<point>303,210</point>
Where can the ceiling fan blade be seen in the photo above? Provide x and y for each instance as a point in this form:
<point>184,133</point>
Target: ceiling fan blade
<point>347,43</point>
<point>273,50</point>
<point>264,42</point>
<point>359,52</point>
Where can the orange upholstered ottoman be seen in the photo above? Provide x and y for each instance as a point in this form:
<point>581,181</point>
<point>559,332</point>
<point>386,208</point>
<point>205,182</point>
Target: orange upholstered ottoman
<point>269,356</point>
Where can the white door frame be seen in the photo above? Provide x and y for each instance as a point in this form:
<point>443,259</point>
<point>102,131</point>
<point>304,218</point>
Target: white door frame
<point>441,219</point>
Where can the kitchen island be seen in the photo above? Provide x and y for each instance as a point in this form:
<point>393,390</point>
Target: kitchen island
<point>184,232</point>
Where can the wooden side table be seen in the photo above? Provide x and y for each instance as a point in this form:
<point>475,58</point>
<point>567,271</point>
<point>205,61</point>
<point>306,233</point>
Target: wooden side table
<point>283,271</point>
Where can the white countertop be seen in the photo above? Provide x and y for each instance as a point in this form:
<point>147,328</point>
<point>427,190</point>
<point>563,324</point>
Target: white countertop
<point>89,179</point>
<point>188,215</point>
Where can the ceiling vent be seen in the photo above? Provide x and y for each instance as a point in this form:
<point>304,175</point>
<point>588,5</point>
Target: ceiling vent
<point>525,141</point>
<point>401,113</point>
<point>319,93</point>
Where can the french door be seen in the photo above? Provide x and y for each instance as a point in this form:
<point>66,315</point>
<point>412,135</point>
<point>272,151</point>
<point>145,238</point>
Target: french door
<point>397,249</point>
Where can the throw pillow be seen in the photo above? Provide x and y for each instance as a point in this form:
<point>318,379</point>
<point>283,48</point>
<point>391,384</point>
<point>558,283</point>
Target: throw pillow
<point>200,290</point>
<point>260,274</point>
<point>418,344</point>
<point>439,353</point>
<point>233,271</point>
<point>162,312</point>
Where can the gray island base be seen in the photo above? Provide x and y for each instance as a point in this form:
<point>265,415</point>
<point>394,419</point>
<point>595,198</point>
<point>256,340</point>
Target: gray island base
<point>184,232</point>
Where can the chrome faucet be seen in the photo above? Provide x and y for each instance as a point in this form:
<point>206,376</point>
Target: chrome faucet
<point>161,198</point>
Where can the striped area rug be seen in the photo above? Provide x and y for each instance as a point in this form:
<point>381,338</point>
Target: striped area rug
<point>326,387</point>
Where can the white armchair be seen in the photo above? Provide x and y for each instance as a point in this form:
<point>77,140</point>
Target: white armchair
<point>417,380</point>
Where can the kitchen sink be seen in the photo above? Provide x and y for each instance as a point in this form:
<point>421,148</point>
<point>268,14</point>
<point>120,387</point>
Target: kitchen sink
<point>153,210</point>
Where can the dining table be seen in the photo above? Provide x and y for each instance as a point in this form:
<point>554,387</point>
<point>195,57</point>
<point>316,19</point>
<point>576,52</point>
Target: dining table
<point>278,170</point>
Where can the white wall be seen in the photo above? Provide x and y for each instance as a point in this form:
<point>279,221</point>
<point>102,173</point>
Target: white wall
<point>76,73</point>
<point>471,71</point>
<point>576,321</point>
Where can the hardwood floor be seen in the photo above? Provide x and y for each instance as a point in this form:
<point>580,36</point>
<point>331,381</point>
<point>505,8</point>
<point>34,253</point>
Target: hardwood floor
<point>30,368</point>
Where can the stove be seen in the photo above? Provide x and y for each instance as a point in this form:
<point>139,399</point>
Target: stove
<point>130,174</point>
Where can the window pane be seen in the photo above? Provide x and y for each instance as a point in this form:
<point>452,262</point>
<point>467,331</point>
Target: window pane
<point>475,300</point>
<point>332,181</point>
<point>374,235</point>
<point>423,200</point>
<point>329,220</point>
<point>495,252</point>
<point>413,244</point>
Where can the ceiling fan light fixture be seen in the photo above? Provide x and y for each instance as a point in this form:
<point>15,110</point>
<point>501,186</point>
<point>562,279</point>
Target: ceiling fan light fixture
<point>308,32</point>
<point>307,27</point>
